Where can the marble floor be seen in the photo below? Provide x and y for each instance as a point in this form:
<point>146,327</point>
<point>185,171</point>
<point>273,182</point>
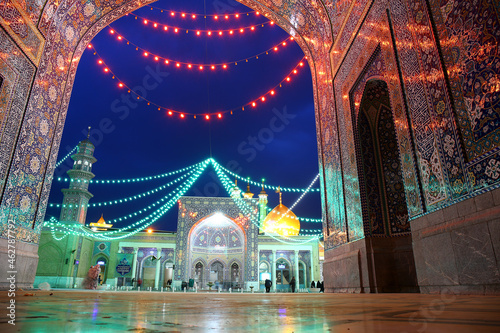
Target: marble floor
<point>106,311</point>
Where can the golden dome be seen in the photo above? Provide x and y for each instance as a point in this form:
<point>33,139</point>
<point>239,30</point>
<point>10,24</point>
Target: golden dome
<point>281,221</point>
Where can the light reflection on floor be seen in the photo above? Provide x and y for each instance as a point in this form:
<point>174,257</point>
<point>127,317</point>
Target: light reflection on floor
<point>101,311</point>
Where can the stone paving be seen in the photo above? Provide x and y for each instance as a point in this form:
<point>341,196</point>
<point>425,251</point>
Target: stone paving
<point>106,311</point>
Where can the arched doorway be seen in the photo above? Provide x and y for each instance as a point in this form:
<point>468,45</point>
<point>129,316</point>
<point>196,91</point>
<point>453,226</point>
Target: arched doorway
<point>148,272</point>
<point>283,274</point>
<point>235,276</point>
<point>264,273</point>
<point>217,274</point>
<point>385,213</point>
<point>198,274</point>
<point>103,263</point>
<point>168,272</point>
<point>208,243</point>
<point>62,30</point>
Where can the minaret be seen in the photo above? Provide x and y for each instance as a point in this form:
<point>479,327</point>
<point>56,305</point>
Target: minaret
<point>76,198</point>
<point>235,193</point>
<point>248,194</point>
<point>262,204</point>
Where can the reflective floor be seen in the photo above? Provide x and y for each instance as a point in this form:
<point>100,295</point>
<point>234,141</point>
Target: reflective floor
<point>105,311</point>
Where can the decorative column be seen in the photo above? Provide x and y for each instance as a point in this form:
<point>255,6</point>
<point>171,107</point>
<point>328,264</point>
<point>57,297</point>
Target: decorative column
<point>134,263</point>
<point>273,270</point>
<point>158,267</point>
<point>297,280</point>
<point>312,267</point>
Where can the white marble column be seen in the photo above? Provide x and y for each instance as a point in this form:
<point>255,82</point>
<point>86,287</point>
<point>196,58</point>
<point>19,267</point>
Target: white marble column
<point>134,263</point>
<point>273,270</point>
<point>312,267</point>
<point>297,280</point>
<point>158,268</point>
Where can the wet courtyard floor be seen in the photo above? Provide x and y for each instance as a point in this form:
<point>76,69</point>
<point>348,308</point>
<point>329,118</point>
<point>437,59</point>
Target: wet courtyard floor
<point>106,311</point>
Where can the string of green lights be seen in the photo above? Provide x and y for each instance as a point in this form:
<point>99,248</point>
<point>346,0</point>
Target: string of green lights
<point>139,179</point>
<point>65,157</point>
<point>132,197</point>
<point>80,230</point>
<point>65,229</point>
<point>269,187</point>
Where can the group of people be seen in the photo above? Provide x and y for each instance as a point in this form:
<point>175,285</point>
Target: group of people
<point>318,285</point>
<point>268,284</point>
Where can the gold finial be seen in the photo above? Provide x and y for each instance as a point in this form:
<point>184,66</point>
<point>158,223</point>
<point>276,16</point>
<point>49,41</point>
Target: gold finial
<point>263,184</point>
<point>88,134</point>
<point>248,185</point>
<point>235,181</point>
<point>279,191</point>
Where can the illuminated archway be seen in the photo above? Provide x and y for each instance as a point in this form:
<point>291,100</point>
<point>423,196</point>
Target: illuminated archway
<point>59,37</point>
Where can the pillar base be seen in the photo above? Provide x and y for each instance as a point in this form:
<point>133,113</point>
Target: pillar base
<point>26,261</point>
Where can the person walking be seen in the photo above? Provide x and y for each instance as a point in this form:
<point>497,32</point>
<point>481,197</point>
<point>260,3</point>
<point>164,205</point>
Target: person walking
<point>292,284</point>
<point>268,285</point>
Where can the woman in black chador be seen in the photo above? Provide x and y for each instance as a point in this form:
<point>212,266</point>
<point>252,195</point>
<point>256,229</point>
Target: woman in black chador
<point>268,285</point>
<point>312,285</point>
<point>292,284</point>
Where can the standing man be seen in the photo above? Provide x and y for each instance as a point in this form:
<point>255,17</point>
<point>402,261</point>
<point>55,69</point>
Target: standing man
<point>268,285</point>
<point>292,284</point>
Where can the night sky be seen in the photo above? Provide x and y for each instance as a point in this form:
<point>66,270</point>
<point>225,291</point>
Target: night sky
<point>275,140</point>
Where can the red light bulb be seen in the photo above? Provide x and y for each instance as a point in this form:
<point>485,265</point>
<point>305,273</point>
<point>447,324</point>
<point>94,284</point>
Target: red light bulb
<point>106,70</point>
<point>172,14</point>
<point>241,30</point>
<point>224,66</point>
<point>178,65</point>
<point>156,58</point>
<point>198,33</point>
<point>155,25</point>
<point>219,115</point>
<point>252,28</point>
<point>288,79</point>
<point>301,64</point>
<point>100,62</point>
<point>209,33</point>
<point>263,99</point>
<point>183,15</point>
<point>294,71</point>
<point>237,15</point>
<point>216,17</point>
<point>220,33</point>
<point>201,68</point>
<point>165,28</point>
<point>212,67</point>
<point>207,117</point>
<point>272,92</point>
<point>193,16</point>
<point>182,115</point>
<point>89,46</point>
<point>254,104</point>
<point>112,31</point>
<point>275,48</point>
<point>176,30</point>
<point>166,62</point>
<point>189,66</point>
<point>145,21</point>
<point>120,85</point>
<point>145,54</point>
<point>170,113</point>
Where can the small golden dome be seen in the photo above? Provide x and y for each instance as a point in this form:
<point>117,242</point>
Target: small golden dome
<point>101,220</point>
<point>281,221</point>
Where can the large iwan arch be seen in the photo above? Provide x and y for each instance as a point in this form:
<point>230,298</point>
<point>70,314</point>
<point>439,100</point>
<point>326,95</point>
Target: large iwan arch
<point>445,111</point>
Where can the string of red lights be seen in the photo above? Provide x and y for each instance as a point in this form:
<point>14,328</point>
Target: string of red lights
<point>200,32</point>
<point>200,66</point>
<point>194,16</point>
<point>207,115</point>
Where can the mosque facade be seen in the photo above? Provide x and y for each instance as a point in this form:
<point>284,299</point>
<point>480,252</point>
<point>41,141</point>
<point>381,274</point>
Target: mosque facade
<point>214,243</point>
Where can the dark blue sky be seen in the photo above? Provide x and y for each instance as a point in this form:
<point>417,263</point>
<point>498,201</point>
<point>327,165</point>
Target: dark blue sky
<point>276,140</point>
